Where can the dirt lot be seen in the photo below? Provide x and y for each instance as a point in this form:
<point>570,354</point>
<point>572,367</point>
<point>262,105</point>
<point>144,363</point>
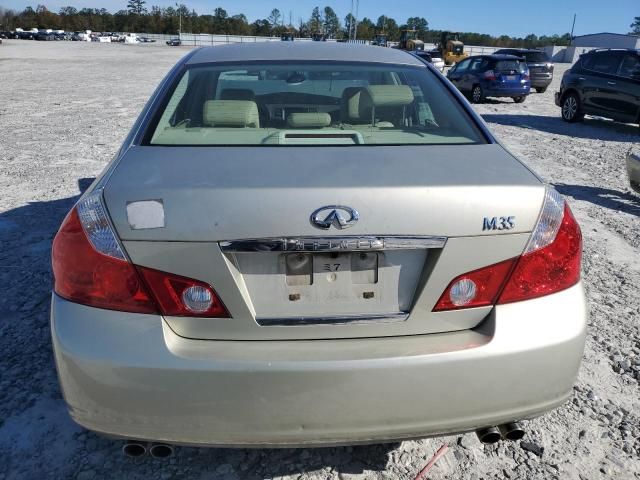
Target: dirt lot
<point>65,108</point>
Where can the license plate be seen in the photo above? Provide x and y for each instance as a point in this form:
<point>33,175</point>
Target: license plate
<point>337,270</point>
<point>511,77</point>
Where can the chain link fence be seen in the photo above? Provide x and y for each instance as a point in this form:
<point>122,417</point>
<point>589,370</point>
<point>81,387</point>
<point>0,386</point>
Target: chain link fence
<point>205,39</point>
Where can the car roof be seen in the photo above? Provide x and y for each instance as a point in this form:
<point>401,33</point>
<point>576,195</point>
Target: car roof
<point>499,56</point>
<point>523,50</point>
<point>302,51</point>
<point>603,50</point>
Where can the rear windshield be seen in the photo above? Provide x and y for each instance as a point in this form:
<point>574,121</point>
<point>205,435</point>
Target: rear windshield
<point>311,104</point>
<point>510,66</point>
<point>536,57</point>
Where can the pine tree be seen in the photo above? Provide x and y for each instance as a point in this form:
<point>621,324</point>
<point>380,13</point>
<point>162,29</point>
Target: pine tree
<point>137,7</point>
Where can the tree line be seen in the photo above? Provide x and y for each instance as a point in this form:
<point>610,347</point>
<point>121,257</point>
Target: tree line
<point>168,20</point>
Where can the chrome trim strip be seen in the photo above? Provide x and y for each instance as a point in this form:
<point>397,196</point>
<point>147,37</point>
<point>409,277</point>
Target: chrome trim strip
<point>332,244</point>
<point>337,320</point>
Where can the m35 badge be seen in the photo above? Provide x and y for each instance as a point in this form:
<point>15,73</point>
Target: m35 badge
<point>498,223</point>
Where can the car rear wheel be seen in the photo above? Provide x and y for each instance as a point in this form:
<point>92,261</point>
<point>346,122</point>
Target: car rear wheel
<point>477,95</point>
<point>541,89</point>
<point>520,99</point>
<point>571,111</point>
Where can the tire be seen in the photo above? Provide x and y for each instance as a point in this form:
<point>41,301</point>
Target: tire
<point>541,89</point>
<point>477,95</point>
<point>570,108</point>
<point>520,99</point>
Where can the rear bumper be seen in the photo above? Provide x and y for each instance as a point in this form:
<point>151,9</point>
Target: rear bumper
<point>492,91</point>
<point>130,376</point>
<point>556,97</point>
<point>541,80</point>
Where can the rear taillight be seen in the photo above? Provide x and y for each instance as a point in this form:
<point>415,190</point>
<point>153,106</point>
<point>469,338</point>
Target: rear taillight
<point>490,75</point>
<point>90,267</point>
<point>479,288</point>
<point>181,296</point>
<point>550,263</point>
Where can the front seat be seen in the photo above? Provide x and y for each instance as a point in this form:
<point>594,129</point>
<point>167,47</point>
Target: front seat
<point>376,105</point>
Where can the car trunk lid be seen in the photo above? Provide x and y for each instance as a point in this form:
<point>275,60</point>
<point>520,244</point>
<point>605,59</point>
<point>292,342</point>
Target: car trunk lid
<point>240,219</point>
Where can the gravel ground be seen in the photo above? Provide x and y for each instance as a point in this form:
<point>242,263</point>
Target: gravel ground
<point>65,108</point>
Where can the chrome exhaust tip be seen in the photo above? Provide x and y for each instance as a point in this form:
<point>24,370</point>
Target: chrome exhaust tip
<point>511,431</point>
<point>134,449</point>
<point>161,450</point>
<point>488,435</point>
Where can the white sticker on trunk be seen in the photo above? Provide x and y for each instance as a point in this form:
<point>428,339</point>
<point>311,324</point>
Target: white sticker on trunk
<point>144,214</point>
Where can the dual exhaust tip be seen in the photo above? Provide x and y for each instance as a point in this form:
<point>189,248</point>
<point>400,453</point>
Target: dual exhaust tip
<point>139,449</point>
<point>509,431</point>
<point>489,435</point>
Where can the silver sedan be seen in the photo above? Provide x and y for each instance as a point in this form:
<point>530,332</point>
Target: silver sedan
<point>314,244</point>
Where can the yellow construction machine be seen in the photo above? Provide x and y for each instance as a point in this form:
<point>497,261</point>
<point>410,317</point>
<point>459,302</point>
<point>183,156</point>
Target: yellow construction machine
<point>409,41</point>
<point>380,39</point>
<point>451,48</point>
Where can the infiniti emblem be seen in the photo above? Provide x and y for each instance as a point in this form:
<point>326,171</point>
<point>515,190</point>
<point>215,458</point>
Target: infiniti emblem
<point>337,215</point>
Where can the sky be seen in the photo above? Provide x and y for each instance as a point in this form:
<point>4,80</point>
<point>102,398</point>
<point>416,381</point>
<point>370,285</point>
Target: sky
<point>495,17</point>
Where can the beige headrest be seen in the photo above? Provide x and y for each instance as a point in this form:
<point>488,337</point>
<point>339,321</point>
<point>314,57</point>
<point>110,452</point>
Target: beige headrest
<point>309,120</point>
<point>231,113</point>
<point>361,101</point>
<point>390,95</point>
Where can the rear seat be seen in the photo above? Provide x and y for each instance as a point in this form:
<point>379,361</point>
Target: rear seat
<point>231,113</point>
<point>308,120</point>
<point>246,94</point>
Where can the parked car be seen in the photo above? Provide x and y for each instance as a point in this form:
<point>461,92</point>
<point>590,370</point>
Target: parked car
<point>383,235</point>
<point>484,76</point>
<point>633,170</point>
<point>539,63</point>
<point>174,42</point>
<point>604,83</point>
<point>81,37</point>
<point>44,36</point>
<point>146,40</point>
<point>25,35</point>
<point>6,34</point>
<point>429,57</point>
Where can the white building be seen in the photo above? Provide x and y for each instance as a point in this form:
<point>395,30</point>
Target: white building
<point>586,43</point>
<point>607,40</point>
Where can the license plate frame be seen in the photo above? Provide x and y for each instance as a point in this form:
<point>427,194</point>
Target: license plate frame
<point>387,289</point>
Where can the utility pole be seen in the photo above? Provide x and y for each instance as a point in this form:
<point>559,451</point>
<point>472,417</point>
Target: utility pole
<point>180,24</point>
<point>572,27</point>
<point>350,19</point>
<point>355,21</point>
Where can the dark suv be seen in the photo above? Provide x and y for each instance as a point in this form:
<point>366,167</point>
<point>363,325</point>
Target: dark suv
<point>539,63</point>
<point>604,83</point>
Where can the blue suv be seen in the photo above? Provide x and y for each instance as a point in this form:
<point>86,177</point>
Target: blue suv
<point>484,76</point>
